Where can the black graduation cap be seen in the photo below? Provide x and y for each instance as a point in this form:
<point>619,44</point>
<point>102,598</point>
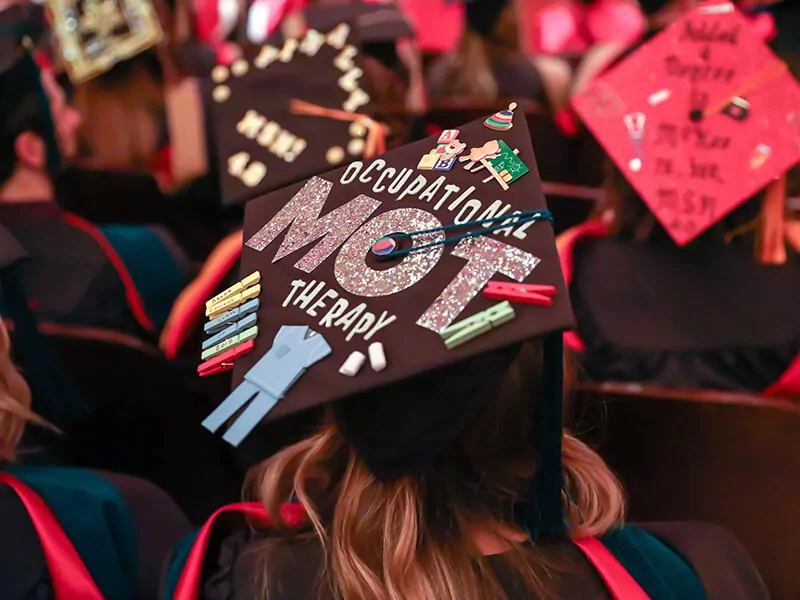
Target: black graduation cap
<point>372,23</point>
<point>437,261</point>
<point>289,112</point>
<point>482,15</point>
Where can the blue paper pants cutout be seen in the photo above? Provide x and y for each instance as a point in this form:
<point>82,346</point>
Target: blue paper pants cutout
<point>252,416</point>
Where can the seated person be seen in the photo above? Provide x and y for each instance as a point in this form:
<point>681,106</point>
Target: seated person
<point>488,62</point>
<point>706,316</point>
<point>439,471</point>
<point>69,533</point>
<point>117,277</point>
<point>666,289</point>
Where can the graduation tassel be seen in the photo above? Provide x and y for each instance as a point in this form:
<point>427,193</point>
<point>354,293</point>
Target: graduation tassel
<point>544,512</point>
<point>770,238</point>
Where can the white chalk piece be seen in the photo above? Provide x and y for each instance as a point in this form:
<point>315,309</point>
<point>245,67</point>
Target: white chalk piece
<point>377,357</point>
<point>353,364</point>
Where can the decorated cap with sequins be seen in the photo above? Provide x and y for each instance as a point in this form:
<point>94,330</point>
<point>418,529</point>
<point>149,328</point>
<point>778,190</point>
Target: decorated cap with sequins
<point>95,35</point>
<point>293,110</point>
<point>412,279</point>
<point>699,119</point>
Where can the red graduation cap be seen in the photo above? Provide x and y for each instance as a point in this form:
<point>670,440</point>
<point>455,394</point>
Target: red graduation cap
<point>699,119</point>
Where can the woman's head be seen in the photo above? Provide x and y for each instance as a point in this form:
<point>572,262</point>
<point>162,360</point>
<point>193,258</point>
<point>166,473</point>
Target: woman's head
<point>491,30</point>
<point>15,401</point>
<point>631,219</point>
<point>411,535</point>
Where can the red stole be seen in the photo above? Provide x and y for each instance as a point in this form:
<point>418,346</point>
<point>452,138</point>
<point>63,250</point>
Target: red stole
<point>618,581</point>
<point>71,579</point>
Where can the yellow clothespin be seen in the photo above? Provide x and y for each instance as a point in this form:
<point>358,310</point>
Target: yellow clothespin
<point>217,310</point>
<point>245,283</point>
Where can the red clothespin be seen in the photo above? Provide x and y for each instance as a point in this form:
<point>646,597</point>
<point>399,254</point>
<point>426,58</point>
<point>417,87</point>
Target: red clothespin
<point>529,293</point>
<point>224,362</point>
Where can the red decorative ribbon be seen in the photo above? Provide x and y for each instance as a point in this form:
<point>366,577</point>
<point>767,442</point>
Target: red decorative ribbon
<point>71,579</point>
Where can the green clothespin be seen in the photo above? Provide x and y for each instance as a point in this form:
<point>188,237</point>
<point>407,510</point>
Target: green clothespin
<point>478,324</point>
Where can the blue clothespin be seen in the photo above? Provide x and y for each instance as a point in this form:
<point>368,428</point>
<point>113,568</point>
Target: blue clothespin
<point>230,317</point>
<point>230,331</point>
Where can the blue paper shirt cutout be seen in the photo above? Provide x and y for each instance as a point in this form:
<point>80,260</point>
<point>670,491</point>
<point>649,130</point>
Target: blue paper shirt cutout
<point>294,349</point>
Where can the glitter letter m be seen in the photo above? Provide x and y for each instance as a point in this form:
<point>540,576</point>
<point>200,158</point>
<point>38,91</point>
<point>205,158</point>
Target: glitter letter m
<point>301,216</point>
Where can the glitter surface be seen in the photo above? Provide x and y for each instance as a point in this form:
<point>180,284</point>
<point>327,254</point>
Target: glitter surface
<point>485,257</point>
<point>355,276</point>
<point>301,215</point>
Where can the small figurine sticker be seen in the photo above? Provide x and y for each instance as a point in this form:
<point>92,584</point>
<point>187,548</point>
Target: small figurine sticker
<point>502,120</point>
<point>501,161</point>
<point>443,157</point>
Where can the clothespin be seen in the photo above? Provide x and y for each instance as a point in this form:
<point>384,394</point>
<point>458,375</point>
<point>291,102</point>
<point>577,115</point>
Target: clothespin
<point>224,362</point>
<point>228,332</point>
<point>540,295</point>
<point>242,287</point>
<point>231,317</point>
<point>245,336</point>
<point>217,310</point>
<point>478,324</point>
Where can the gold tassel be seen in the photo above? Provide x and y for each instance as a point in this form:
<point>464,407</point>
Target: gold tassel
<point>770,236</point>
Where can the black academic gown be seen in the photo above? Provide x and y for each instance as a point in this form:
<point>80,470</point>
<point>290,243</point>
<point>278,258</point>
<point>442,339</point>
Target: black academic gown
<point>76,275</point>
<point>720,563</point>
<point>705,316</point>
<point>79,504</point>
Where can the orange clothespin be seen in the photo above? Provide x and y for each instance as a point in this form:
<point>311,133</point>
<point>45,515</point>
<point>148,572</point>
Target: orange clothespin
<point>224,362</point>
<point>540,295</point>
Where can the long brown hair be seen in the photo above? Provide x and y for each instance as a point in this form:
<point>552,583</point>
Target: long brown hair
<point>15,401</point>
<point>412,538</point>
<point>629,217</point>
<point>468,71</point>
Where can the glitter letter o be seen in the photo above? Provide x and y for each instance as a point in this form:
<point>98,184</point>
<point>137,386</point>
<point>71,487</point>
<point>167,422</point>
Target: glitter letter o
<point>355,276</point>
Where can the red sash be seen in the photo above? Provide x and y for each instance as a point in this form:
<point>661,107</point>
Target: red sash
<point>618,581</point>
<point>788,384</point>
<point>71,579</point>
<point>135,301</point>
<point>566,243</point>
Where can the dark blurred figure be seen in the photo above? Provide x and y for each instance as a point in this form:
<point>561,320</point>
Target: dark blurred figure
<point>118,277</point>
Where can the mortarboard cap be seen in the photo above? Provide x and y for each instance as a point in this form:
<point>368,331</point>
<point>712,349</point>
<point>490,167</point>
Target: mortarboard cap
<point>482,15</point>
<point>698,119</point>
<point>379,252</point>
<point>290,112</point>
<point>95,35</point>
<point>373,23</point>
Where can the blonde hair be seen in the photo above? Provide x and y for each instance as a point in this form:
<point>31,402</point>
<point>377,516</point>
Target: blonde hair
<point>411,538</point>
<point>137,102</point>
<point>15,401</point>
